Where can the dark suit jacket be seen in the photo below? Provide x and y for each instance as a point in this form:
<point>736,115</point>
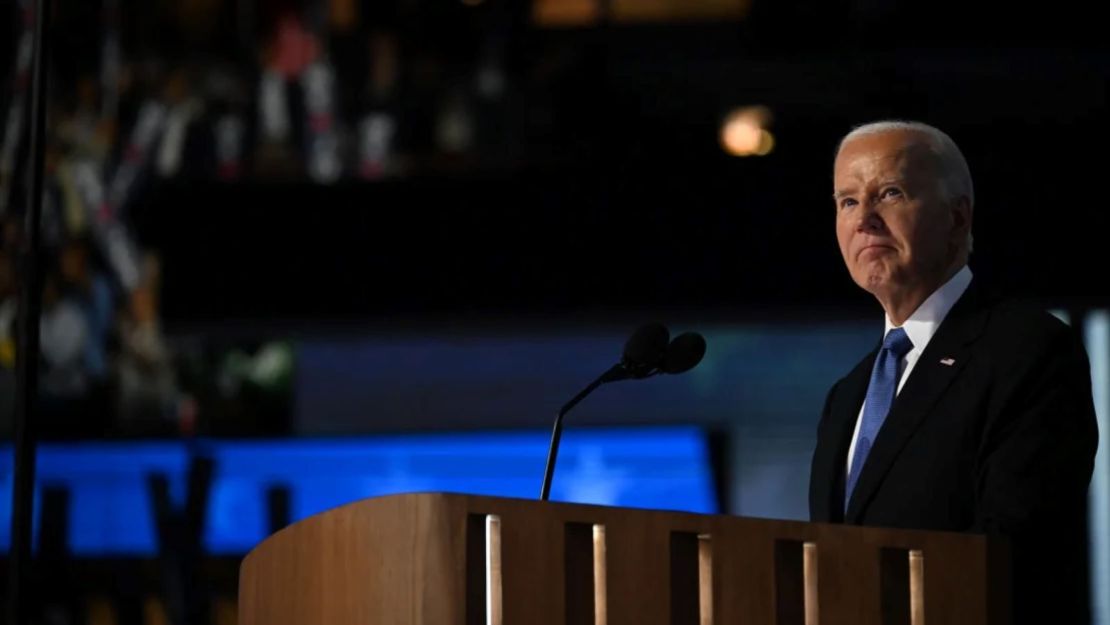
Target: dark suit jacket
<point>1001,442</point>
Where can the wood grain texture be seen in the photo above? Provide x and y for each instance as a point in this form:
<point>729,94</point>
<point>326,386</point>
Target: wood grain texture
<point>408,560</point>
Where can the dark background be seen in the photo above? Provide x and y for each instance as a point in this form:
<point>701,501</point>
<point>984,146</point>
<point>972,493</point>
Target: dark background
<point>606,185</point>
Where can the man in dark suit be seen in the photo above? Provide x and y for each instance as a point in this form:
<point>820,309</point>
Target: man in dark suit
<point>974,413</point>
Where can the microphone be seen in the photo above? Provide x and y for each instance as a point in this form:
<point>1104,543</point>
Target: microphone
<point>644,352</point>
<point>649,351</point>
<point>684,353</point>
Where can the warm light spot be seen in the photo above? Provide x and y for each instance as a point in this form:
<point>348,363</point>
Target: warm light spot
<point>744,132</point>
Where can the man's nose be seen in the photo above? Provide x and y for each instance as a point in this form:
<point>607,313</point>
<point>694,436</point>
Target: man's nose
<point>869,218</point>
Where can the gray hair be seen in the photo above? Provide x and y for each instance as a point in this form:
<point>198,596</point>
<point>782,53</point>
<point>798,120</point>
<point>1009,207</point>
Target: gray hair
<point>955,176</point>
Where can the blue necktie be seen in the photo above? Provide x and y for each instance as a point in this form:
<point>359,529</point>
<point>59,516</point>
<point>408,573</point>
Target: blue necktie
<point>880,395</point>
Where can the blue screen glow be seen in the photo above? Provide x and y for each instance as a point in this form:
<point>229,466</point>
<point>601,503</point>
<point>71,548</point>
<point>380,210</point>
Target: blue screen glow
<point>110,512</point>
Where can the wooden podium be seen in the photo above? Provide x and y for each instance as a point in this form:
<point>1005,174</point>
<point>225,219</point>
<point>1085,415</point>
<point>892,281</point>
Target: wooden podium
<point>441,559</point>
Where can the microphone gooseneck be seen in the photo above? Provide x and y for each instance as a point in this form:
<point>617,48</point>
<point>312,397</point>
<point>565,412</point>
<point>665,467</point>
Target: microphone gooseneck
<point>649,351</point>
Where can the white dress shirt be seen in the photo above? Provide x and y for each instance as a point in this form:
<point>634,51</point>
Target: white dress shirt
<point>920,327</point>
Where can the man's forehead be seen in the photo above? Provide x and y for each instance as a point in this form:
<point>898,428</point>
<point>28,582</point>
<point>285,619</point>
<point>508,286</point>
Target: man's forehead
<point>884,154</point>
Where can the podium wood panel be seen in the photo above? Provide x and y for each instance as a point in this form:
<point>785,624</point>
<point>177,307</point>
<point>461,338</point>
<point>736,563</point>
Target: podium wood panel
<point>421,559</point>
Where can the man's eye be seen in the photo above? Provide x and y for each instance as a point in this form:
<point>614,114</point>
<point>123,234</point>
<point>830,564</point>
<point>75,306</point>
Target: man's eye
<point>847,202</point>
<point>890,192</point>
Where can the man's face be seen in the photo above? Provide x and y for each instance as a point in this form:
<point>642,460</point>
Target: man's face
<point>896,232</point>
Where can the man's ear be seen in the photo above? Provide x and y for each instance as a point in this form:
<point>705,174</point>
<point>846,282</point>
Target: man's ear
<point>961,219</point>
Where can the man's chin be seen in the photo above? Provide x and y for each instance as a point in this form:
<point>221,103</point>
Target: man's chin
<point>875,282</point>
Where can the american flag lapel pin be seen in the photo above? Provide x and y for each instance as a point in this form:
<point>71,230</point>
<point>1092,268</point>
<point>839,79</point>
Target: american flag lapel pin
<point>948,361</point>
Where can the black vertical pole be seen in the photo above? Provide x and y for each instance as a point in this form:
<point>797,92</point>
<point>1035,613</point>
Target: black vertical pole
<point>27,351</point>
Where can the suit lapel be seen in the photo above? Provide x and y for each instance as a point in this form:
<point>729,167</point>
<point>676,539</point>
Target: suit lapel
<point>925,386</point>
<point>830,456</point>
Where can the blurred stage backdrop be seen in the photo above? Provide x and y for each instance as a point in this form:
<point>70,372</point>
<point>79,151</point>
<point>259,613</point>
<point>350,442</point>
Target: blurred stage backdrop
<point>307,251</point>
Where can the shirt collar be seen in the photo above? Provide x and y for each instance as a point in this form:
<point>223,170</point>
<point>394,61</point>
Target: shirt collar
<point>923,323</point>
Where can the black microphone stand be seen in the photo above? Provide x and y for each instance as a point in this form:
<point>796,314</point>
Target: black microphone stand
<point>615,373</point>
<point>649,352</point>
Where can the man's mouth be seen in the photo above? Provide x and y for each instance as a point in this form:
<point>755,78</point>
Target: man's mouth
<point>874,248</point>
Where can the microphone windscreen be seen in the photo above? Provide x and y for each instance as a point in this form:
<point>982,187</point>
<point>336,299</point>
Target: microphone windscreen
<point>684,353</point>
<point>646,349</point>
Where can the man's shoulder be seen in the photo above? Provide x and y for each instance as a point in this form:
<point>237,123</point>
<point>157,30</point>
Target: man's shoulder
<point>1019,328</point>
<point>1025,318</point>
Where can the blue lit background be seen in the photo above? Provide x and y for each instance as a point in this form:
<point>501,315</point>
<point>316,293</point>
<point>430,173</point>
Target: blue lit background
<point>110,511</point>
